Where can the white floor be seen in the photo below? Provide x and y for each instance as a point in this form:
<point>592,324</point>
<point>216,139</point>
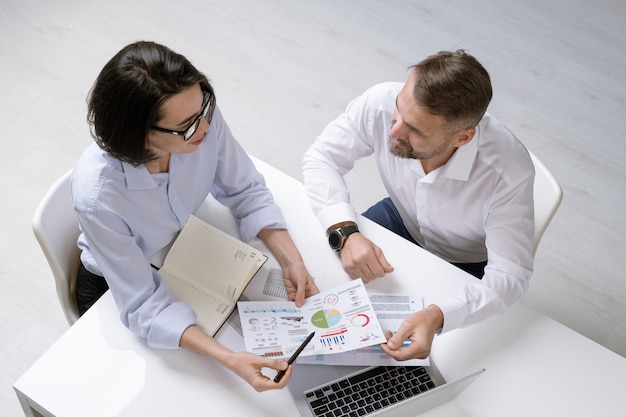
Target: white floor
<point>282,70</point>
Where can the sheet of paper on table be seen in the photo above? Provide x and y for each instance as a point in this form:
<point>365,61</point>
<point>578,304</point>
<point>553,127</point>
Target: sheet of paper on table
<point>391,310</point>
<point>342,318</point>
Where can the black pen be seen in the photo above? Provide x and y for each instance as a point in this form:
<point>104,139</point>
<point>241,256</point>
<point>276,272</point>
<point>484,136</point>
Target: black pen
<point>291,360</point>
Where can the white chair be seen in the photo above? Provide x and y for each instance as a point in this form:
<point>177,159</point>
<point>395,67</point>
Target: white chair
<point>548,197</point>
<point>56,229</point>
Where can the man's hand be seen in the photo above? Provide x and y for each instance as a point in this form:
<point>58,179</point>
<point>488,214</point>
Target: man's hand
<point>420,328</point>
<point>363,259</point>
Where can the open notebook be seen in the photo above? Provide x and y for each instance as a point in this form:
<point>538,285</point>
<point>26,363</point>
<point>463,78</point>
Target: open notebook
<point>209,269</point>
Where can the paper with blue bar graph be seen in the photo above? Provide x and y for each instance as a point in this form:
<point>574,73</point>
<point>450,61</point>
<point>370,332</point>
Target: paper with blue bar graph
<point>391,310</point>
<point>343,319</point>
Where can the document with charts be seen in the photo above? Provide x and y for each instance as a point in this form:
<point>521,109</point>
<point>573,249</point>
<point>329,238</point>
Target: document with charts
<point>342,318</point>
<point>209,269</point>
<point>391,310</point>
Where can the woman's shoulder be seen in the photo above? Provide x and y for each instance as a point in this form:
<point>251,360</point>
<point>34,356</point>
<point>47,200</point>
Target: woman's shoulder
<point>93,169</point>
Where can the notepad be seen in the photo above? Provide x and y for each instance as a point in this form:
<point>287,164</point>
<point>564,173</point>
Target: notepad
<point>209,269</point>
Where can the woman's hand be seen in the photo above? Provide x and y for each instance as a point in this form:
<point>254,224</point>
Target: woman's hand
<point>247,365</point>
<point>298,281</point>
<point>250,368</point>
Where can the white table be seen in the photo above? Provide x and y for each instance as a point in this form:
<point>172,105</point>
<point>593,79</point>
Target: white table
<point>535,366</point>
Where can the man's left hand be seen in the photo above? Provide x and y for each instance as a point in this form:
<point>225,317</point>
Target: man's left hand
<point>420,328</point>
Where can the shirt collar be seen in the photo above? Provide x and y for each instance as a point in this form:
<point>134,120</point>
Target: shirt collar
<point>460,164</point>
<point>138,177</point>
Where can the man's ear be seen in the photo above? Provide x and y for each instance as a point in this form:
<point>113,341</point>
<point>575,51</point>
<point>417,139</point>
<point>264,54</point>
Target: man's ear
<point>464,136</point>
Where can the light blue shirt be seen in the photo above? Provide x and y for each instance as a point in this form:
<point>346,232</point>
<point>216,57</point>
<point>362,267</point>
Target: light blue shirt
<point>128,215</point>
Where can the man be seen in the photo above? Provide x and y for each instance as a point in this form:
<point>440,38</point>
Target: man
<point>460,185</point>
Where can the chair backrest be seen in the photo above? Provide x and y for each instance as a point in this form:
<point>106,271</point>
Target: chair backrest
<point>548,197</point>
<point>56,229</point>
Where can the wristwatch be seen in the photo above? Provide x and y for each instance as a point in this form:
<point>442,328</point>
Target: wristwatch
<point>337,237</point>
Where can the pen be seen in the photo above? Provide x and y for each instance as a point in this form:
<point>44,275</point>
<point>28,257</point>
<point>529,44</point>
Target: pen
<point>291,360</point>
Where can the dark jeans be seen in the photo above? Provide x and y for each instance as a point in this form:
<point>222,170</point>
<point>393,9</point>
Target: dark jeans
<point>89,288</point>
<point>385,214</point>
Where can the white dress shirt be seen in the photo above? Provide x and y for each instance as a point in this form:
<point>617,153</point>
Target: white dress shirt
<point>128,215</point>
<point>477,207</point>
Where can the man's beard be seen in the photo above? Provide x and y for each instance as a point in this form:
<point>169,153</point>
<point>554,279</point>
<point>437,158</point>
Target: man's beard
<point>405,150</point>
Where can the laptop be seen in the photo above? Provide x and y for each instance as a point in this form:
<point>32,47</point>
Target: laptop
<point>382,391</point>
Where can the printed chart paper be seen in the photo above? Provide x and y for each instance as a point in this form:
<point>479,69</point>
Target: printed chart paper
<point>342,318</point>
<point>391,310</point>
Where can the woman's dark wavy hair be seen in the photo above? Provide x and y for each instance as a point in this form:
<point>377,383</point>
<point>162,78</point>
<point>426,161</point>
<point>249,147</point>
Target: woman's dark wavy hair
<point>126,98</point>
<point>453,85</point>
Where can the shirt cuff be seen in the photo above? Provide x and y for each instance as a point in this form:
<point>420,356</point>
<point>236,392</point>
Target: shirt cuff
<point>454,312</point>
<point>168,327</point>
<point>337,213</point>
<point>269,217</point>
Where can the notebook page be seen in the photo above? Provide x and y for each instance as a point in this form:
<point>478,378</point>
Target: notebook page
<point>211,309</point>
<point>212,259</point>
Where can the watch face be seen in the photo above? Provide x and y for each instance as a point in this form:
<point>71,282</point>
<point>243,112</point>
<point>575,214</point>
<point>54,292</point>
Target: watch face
<point>334,240</point>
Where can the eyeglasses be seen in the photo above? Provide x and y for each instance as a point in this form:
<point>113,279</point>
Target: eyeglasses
<point>191,130</point>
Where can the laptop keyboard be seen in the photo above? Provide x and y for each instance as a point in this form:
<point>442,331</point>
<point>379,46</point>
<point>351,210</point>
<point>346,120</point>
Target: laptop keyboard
<point>369,391</point>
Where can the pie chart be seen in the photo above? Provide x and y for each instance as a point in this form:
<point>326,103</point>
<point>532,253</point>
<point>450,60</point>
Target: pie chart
<point>326,318</point>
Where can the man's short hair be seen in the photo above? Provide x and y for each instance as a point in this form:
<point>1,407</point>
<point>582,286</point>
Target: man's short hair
<point>453,85</point>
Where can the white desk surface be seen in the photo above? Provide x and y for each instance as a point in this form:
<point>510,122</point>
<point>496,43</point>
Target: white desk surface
<point>535,366</point>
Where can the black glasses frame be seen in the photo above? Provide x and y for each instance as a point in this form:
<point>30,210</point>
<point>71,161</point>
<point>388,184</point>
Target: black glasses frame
<point>191,130</point>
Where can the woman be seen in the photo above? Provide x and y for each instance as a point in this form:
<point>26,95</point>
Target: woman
<point>162,146</point>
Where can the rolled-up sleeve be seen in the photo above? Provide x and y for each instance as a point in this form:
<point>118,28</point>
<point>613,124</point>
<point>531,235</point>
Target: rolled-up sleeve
<point>145,304</point>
